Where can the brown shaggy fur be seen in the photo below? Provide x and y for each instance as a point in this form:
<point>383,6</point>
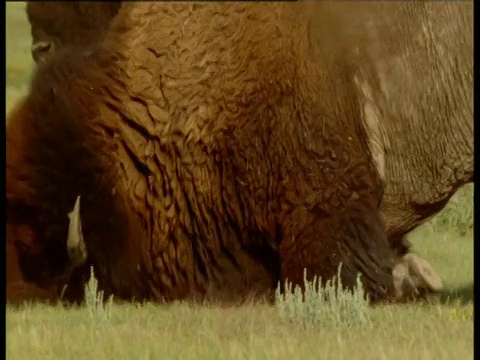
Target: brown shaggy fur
<point>213,154</point>
<point>98,17</point>
<point>69,23</point>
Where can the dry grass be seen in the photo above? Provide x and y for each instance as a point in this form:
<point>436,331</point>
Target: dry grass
<point>185,332</point>
<point>439,329</point>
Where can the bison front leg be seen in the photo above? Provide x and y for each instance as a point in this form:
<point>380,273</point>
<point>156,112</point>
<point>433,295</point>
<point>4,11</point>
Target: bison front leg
<point>318,242</point>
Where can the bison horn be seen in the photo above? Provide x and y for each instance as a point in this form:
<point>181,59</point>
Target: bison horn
<point>76,248</point>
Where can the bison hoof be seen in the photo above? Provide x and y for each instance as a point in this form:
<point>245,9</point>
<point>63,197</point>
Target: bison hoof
<point>413,275</point>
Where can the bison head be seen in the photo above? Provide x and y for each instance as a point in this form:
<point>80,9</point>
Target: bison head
<point>55,25</point>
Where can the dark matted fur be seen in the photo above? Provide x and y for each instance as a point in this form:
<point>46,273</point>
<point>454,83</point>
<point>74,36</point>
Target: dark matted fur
<point>213,155</point>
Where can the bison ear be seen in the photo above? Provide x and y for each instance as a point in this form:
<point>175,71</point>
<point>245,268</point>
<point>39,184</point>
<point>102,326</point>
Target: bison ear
<point>41,51</point>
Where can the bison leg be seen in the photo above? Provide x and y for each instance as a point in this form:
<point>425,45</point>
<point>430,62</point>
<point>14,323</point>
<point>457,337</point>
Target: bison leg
<point>353,236</point>
<point>19,292</point>
<point>400,244</point>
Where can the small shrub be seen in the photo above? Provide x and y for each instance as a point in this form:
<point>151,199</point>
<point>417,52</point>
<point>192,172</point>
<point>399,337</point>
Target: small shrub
<point>332,305</point>
<point>458,213</point>
<point>98,310</point>
<point>461,313</point>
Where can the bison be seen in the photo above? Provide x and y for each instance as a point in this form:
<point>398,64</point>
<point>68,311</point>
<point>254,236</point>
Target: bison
<point>204,150</point>
<point>378,39</point>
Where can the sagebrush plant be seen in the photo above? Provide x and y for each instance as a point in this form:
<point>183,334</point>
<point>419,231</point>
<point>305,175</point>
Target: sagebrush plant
<point>98,309</point>
<point>332,305</point>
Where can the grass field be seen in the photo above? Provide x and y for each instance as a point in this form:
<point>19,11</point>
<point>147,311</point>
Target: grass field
<point>439,329</point>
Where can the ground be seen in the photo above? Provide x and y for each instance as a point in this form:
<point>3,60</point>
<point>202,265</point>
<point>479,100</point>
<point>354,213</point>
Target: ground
<point>441,328</point>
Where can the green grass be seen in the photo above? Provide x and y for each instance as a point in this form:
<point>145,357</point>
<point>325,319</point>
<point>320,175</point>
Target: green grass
<point>185,332</point>
<point>19,63</point>
<point>439,329</point>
